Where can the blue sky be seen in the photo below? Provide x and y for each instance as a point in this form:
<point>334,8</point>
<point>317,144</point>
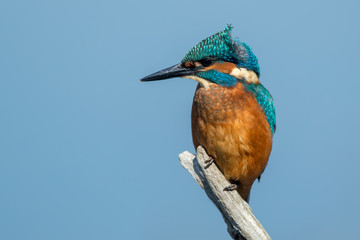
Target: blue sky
<point>89,152</point>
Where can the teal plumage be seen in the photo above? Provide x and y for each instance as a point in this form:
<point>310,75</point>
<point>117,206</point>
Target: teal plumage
<point>218,78</point>
<point>265,100</point>
<point>221,47</point>
<point>217,46</point>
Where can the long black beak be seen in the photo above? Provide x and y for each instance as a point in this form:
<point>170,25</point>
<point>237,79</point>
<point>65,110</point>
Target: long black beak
<point>171,72</point>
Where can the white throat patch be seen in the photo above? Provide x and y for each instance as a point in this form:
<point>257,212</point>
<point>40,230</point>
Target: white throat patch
<point>205,83</point>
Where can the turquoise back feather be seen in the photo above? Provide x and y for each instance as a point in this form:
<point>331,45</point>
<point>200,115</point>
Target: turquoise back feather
<point>265,100</point>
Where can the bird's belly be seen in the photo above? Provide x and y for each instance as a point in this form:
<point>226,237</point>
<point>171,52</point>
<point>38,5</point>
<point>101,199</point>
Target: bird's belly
<point>233,129</point>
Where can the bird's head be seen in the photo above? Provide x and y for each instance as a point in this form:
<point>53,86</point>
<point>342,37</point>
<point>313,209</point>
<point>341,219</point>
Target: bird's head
<point>217,59</point>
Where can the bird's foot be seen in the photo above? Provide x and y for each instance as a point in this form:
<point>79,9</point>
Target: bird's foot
<point>231,187</point>
<point>209,161</point>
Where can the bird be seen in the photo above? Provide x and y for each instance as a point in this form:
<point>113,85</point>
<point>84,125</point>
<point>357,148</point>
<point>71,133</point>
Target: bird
<point>233,115</point>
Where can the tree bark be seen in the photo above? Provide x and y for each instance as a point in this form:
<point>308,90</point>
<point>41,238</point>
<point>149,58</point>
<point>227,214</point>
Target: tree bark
<point>237,214</point>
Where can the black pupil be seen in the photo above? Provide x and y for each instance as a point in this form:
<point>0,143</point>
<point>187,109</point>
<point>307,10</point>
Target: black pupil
<point>206,62</point>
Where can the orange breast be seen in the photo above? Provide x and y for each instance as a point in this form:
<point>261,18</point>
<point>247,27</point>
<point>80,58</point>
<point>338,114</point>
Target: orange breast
<point>231,126</point>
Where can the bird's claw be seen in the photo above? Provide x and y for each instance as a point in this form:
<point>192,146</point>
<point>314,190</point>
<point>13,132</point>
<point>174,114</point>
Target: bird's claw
<point>231,187</point>
<point>208,162</point>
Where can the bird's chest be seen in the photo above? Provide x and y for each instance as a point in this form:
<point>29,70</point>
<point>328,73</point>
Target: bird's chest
<point>231,126</point>
<point>222,117</point>
<point>218,104</point>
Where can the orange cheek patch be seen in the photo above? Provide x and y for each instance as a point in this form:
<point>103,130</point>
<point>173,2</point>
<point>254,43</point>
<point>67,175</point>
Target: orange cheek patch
<point>224,67</point>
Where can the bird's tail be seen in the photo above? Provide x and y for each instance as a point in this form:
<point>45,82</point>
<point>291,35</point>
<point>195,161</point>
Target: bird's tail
<point>244,191</point>
<point>247,199</point>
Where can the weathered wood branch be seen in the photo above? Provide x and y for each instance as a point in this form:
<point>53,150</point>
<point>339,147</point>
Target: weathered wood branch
<point>237,214</point>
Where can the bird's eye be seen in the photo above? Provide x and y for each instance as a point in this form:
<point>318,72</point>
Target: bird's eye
<point>206,62</point>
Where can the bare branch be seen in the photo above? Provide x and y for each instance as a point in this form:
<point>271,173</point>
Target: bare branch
<point>237,214</point>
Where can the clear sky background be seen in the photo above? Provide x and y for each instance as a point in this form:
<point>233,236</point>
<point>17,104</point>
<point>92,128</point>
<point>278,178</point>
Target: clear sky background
<point>89,152</point>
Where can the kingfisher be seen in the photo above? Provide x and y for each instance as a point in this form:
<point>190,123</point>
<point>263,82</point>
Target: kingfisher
<point>233,114</point>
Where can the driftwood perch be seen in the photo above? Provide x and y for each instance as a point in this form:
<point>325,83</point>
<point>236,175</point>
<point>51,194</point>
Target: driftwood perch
<point>237,214</point>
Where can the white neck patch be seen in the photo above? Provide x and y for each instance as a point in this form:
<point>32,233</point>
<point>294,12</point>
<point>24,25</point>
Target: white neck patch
<point>243,73</point>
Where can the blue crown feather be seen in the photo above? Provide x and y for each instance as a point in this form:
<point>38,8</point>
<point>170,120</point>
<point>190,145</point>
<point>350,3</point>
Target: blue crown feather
<point>222,47</point>
<point>218,46</point>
